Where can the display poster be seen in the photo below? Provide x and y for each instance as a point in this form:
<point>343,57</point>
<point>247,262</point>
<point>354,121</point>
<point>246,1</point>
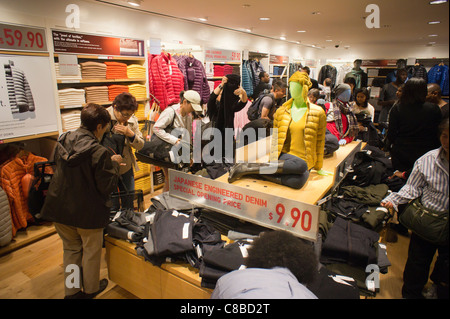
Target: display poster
<point>80,43</point>
<point>27,102</point>
<point>379,63</point>
<point>263,209</point>
<point>219,55</point>
<point>278,59</point>
<point>22,38</point>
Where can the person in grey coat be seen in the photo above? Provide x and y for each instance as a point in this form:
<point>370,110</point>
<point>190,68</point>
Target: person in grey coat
<point>279,266</point>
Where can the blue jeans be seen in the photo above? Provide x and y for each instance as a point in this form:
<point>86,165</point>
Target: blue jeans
<point>126,183</point>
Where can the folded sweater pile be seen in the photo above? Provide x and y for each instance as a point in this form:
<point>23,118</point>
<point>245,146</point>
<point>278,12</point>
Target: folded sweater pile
<point>67,77</point>
<point>136,71</point>
<point>71,120</point>
<point>116,70</point>
<point>139,91</point>
<point>116,89</point>
<point>96,94</point>
<point>71,97</point>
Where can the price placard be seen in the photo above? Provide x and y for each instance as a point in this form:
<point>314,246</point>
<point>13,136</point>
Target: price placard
<point>219,55</point>
<point>260,208</point>
<point>22,38</point>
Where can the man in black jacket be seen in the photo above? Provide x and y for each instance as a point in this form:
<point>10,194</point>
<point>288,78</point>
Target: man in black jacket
<point>78,200</point>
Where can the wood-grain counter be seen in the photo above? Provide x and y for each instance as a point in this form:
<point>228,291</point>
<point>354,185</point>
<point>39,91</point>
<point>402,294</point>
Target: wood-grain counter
<point>181,281</point>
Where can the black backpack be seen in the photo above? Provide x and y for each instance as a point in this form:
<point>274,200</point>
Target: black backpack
<point>254,111</point>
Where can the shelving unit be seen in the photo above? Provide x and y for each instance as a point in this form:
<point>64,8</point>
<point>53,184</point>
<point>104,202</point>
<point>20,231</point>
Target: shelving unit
<point>143,177</point>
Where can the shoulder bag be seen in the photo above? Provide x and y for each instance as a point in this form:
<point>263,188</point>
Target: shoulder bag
<point>429,224</point>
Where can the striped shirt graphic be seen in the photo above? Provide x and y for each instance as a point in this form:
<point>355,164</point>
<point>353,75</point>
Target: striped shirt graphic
<point>429,180</point>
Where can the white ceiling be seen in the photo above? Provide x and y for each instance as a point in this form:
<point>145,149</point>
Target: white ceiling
<point>403,22</point>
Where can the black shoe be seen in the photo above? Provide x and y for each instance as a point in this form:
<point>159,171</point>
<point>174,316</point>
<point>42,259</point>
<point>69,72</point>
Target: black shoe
<point>102,286</point>
<point>78,295</point>
<point>242,169</point>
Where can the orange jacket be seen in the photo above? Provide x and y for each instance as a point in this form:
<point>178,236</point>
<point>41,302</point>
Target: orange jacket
<point>13,176</point>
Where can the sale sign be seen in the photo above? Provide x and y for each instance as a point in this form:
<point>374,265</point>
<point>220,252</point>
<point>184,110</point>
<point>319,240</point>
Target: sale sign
<point>219,55</point>
<point>81,43</point>
<point>22,38</point>
<point>260,208</point>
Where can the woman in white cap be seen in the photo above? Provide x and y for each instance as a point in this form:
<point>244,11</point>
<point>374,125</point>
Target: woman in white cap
<point>177,116</point>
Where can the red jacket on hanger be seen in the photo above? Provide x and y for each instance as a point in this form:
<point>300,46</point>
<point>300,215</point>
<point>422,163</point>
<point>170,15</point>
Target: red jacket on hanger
<point>165,79</point>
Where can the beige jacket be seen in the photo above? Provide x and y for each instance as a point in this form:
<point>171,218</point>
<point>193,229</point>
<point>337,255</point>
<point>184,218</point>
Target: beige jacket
<point>138,142</point>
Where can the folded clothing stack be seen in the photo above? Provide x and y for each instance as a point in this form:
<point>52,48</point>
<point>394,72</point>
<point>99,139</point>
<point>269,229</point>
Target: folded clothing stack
<point>139,91</point>
<point>136,71</point>
<point>217,83</point>
<point>116,89</point>
<point>71,120</point>
<point>227,69</point>
<point>71,97</point>
<point>93,70</point>
<point>96,94</point>
<point>219,70</point>
<point>236,70</point>
<point>116,70</point>
<point>67,77</point>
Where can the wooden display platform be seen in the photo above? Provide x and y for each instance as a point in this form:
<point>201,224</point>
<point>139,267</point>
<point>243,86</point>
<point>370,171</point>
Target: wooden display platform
<point>315,188</point>
<point>181,281</point>
<point>146,281</point>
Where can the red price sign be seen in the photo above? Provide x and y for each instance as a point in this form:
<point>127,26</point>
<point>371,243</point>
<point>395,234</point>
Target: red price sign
<point>235,56</point>
<point>293,218</point>
<point>21,38</point>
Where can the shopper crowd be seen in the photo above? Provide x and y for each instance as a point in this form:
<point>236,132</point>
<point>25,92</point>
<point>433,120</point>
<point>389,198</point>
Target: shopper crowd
<point>409,124</point>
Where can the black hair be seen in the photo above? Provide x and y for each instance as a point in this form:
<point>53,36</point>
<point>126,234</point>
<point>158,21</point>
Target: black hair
<point>314,92</point>
<point>414,92</point>
<point>262,74</point>
<point>365,92</point>
<point>125,101</point>
<point>328,82</point>
<point>282,249</point>
<point>92,115</point>
<point>278,84</point>
<point>444,125</point>
<point>350,80</point>
<point>306,69</point>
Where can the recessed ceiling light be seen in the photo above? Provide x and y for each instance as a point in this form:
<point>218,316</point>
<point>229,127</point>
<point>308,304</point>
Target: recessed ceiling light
<point>433,35</point>
<point>301,31</point>
<point>246,6</point>
<point>203,19</point>
<point>248,30</point>
<point>432,42</point>
<point>264,19</point>
<point>438,1</point>
<point>315,12</point>
<point>282,38</point>
<point>329,40</point>
<point>434,22</point>
<point>135,3</point>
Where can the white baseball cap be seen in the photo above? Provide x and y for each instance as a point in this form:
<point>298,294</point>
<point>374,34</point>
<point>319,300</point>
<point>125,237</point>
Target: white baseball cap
<point>194,98</point>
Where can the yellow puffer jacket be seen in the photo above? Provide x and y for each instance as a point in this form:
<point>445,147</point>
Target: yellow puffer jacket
<point>314,133</point>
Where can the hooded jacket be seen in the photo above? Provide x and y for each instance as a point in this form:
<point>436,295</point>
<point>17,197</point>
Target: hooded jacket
<point>85,177</point>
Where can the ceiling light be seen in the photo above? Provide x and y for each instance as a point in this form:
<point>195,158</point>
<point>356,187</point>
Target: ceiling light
<point>248,30</point>
<point>433,35</point>
<point>246,6</point>
<point>282,38</point>
<point>431,42</point>
<point>203,19</point>
<point>264,19</point>
<point>135,3</point>
<point>438,1</point>
<point>434,22</point>
<point>315,12</point>
<point>301,31</point>
<point>329,40</point>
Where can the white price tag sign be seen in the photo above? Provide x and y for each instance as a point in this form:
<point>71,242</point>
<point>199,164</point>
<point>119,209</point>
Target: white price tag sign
<point>260,208</point>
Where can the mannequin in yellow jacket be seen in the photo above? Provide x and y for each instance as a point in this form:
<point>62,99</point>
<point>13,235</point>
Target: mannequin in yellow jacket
<point>299,144</point>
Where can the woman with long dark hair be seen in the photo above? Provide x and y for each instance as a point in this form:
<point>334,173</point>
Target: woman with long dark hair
<point>413,126</point>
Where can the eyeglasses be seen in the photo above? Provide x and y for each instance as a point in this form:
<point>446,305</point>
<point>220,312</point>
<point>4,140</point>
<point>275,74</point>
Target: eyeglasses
<point>125,115</point>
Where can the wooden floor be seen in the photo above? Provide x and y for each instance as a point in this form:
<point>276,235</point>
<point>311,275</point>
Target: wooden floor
<point>35,271</point>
